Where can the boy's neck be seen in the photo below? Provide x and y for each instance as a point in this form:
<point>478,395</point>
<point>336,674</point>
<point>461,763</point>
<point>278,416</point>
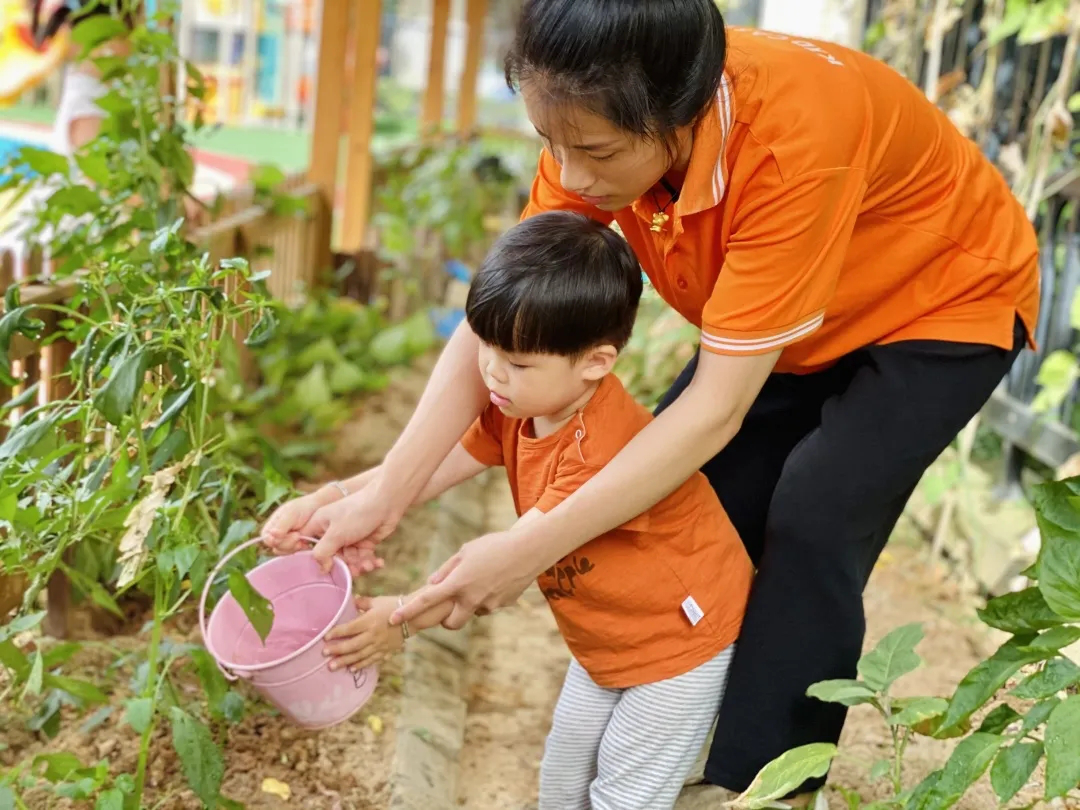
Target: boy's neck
<point>543,426</point>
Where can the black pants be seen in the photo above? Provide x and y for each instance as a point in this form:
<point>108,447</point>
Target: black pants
<point>815,481</point>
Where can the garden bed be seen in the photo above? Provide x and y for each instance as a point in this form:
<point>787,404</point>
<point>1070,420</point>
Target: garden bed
<point>344,768</point>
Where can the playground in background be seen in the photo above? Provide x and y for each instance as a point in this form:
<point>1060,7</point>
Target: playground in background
<point>258,58</point>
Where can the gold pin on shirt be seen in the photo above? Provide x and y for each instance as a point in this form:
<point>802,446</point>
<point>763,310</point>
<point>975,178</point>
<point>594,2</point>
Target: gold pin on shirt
<point>659,220</point>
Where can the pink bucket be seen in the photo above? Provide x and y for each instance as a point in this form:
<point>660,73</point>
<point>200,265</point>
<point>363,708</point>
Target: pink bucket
<point>290,670</point>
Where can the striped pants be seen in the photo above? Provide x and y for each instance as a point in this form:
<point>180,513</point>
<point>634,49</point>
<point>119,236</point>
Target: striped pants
<point>628,749</point>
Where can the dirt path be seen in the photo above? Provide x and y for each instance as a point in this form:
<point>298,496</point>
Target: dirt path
<point>518,661</point>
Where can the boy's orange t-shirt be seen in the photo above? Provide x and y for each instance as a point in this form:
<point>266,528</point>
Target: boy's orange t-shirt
<point>828,206</point>
<point>657,596</point>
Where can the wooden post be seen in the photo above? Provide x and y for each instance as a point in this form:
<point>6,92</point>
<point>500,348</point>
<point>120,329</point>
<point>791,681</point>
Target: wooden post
<point>326,132</point>
<point>432,116</point>
<point>475,13</point>
<point>358,166</point>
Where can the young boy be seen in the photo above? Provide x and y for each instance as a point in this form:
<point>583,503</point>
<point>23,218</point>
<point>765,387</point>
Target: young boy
<point>649,611</point>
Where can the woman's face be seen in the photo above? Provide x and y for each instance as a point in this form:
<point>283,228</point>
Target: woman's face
<point>604,165</point>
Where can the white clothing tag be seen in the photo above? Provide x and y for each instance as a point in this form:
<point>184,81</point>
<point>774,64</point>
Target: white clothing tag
<point>692,610</point>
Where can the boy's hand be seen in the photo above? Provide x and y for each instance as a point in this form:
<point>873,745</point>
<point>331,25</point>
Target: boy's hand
<point>367,639</point>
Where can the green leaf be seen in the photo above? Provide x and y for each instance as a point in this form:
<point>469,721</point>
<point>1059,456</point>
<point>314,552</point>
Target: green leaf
<point>37,674</point>
<point>892,658</point>
<point>346,378</point>
<point>199,755</point>
<point>391,346</point>
<point>986,678</point>
<point>787,772</point>
<point>75,200</point>
<point>969,760</point>
<point>999,719</point>
<point>138,712</point>
<point>912,711</point>
<point>178,559</point>
<point>879,770</point>
<point>1012,21</point>
<point>111,799</point>
<point>1039,714</point>
<point>1058,674</point>
<point>256,607</point>
<point>7,798</point>
<point>94,31</point>
<point>14,659</point>
<point>843,691</point>
<point>313,390</point>
<point>83,690</point>
<point>1013,768</point>
<point>1062,740</point>
<point>116,398</point>
<point>213,682</point>
<point>42,161</point>
<point>238,530</point>
<point>1025,611</point>
<point>26,436</point>
<point>1053,640</point>
<point>263,331</point>
<point>94,167</point>
<point>21,624</point>
<point>1044,20</point>
<point>57,766</point>
<point>15,321</point>
<point>232,706</point>
<point>1059,568</point>
<point>1056,502</point>
<point>266,177</point>
<point>176,401</point>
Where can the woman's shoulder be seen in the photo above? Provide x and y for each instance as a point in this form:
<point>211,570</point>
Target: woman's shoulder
<point>806,103</point>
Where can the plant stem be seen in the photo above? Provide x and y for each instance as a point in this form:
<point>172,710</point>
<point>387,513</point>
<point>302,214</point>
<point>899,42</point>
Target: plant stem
<point>1058,98</point>
<point>150,689</point>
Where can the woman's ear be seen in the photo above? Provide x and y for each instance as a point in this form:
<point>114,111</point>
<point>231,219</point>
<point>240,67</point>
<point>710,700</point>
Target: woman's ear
<point>598,362</point>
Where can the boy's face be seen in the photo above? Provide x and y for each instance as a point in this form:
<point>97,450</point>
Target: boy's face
<point>524,386</point>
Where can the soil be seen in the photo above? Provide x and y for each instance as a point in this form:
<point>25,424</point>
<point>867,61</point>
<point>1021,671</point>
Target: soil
<point>518,662</point>
<point>342,768</point>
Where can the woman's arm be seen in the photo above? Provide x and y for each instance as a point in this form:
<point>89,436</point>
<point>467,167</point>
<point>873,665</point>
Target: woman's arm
<point>493,570</point>
<point>452,400</point>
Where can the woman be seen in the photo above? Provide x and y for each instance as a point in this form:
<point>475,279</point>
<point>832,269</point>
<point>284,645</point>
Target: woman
<point>863,279</point>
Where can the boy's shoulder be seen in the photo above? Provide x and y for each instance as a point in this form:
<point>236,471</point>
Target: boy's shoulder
<point>608,422</point>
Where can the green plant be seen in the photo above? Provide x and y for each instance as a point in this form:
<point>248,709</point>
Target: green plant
<point>1032,688</point>
<point>662,343</point>
<point>130,483</point>
<point>434,204</point>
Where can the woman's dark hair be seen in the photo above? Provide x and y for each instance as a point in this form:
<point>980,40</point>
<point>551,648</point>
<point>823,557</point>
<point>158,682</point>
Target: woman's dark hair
<point>647,66</point>
<point>558,283</point>
<point>74,12</point>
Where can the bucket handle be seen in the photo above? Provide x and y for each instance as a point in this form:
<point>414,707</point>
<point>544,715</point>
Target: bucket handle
<point>229,676</point>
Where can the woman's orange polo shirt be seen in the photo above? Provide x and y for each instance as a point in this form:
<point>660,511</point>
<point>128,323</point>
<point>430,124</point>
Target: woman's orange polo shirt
<point>829,206</point>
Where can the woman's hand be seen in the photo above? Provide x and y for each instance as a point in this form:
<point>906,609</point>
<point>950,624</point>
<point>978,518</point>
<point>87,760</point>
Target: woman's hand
<point>353,526</point>
<point>303,517</point>
<point>486,574</point>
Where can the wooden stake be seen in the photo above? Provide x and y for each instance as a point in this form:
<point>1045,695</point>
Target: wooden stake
<point>326,133</point>
<point>358,167</point>
<point>432,116</point>
<point>475,14</point>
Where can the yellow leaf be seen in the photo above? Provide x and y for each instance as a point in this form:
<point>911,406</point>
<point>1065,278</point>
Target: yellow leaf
<point>276,788</point>
<point>375,722</point>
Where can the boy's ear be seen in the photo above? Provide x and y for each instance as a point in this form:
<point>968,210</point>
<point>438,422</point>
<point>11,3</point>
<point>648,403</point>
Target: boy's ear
<point>599,362</point>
